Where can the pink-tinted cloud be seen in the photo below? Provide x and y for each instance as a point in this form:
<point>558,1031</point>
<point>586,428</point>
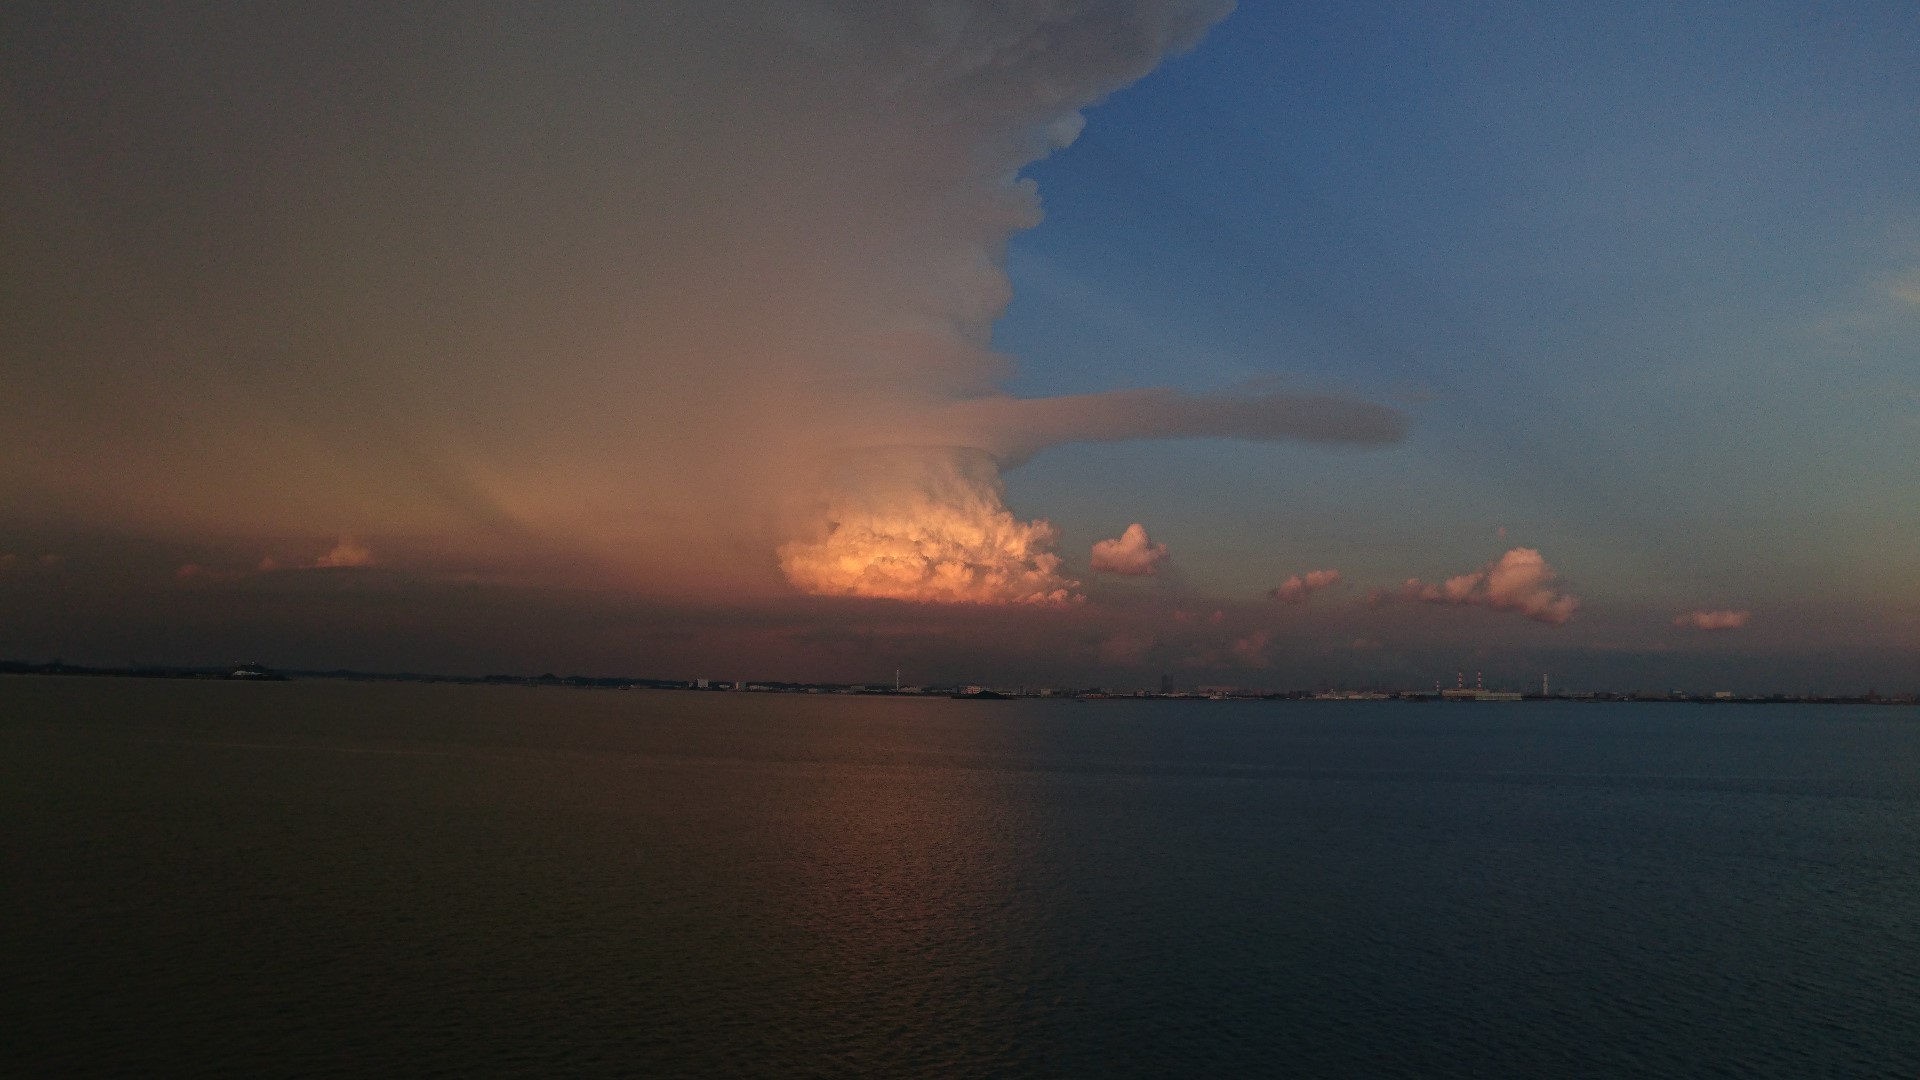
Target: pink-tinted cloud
<point>1711,621</point>
<point>1129,553</point>
<point>1296,589</point>
<point>925,524</point>
<point>1251,650</point>
<point>348,552</point>
<point>929,526</point>
<point>1518,581</point>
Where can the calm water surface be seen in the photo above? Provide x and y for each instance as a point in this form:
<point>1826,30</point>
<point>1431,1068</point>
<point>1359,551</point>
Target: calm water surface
<point>320,878</point>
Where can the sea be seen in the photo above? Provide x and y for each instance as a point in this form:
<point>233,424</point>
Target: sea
<point>351,879</point>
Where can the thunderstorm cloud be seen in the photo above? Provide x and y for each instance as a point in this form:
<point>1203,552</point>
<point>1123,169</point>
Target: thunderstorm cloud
<point>601,296</point>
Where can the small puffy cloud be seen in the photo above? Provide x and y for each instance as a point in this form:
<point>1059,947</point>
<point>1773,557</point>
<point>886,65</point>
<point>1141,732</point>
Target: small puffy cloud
<point>1711,621</point>
<point>1251,650</point>
<point>1129,553</point>
<point>1518,581</point>
<point>345,553</point>
<point>1296,589</point>
<point>1364,644</point>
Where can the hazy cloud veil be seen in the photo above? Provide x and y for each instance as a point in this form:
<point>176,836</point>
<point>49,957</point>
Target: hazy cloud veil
<point>610,294</point>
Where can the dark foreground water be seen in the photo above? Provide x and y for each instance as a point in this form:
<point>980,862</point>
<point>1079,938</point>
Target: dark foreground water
<point>353,880</point>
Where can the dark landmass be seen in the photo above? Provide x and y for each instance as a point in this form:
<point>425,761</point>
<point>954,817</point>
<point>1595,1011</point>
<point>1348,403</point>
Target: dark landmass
<point>260,673</point>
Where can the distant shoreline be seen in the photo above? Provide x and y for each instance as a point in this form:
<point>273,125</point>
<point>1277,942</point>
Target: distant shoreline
<point>259,673</point>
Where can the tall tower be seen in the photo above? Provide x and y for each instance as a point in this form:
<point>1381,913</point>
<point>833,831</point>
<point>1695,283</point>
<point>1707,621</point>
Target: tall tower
<point>1543,685</point>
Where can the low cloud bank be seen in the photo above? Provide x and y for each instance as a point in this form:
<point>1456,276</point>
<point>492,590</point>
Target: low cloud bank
<point>1130,553</point>
<point>1518,581</point>
<point>1711,621</point>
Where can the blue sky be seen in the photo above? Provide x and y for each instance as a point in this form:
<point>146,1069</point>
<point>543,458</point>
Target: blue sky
<point>1635,271</point>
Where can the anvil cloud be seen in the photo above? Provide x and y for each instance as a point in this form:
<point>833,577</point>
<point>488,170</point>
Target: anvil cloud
<point>610,298</point>
<point>639,333</point>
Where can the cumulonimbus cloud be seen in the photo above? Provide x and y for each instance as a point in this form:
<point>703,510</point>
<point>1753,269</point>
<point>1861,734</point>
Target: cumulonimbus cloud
<point>778,243</point>
<point>1519,580</point>
<point>929,526</point>
<point>1130,553</point>
<point>1299,587</point>
<point>1712,621</point>
<point>1020,76</point>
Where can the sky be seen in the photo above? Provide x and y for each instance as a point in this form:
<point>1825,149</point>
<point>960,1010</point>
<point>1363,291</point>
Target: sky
<point>1072,343</point>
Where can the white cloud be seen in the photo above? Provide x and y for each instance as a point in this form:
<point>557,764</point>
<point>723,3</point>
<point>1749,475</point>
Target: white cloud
<point>1298,588</point>
<point>1129,553</point>
<point>1519,580</point>
<point>1711,621</point>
